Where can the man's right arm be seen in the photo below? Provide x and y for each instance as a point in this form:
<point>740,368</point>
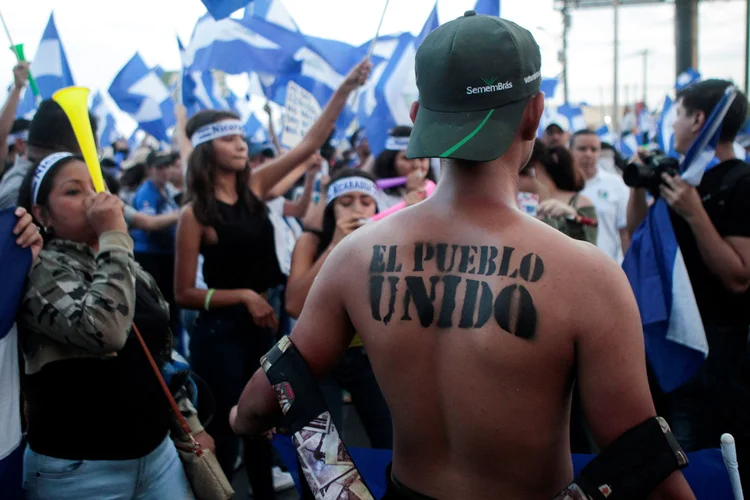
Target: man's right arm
<point>8,113</point>
<point>637,209</point>
<point>612,363</point>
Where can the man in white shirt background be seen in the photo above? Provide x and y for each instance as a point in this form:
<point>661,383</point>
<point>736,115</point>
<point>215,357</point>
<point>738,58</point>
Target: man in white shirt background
<point>608,192</point>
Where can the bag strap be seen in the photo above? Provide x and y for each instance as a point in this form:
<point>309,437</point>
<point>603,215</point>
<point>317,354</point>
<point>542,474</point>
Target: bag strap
<point>175,409</point>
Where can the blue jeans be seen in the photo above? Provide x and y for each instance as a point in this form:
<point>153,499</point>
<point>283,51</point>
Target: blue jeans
<point>156,476</point>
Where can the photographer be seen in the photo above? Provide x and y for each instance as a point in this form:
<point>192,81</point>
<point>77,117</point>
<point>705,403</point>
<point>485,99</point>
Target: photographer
<point>712,229</point>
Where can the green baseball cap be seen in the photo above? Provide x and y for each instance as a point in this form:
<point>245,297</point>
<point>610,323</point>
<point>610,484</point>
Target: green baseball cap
<point>475,75</point>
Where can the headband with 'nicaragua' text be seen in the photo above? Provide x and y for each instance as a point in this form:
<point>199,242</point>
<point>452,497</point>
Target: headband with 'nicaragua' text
<point>397,143</point>
<point>215,130</point>
<point>349,185</point>
<point>41,171</point>
<point>22,135</point>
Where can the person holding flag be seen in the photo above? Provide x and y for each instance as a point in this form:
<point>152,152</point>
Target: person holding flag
<point>8,114</point>
<point>707,206</point>
<point>226,221</point>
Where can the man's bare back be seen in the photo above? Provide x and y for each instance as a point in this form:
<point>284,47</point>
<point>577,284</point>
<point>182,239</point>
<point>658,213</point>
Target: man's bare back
<point>478,369</point>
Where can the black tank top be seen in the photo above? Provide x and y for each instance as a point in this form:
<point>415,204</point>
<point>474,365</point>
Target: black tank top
<point>104,409</point>
<point>245,255</point>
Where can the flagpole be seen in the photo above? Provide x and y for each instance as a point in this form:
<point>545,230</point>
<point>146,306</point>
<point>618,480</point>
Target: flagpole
<point>7,33</point>
<point>377,33</point>
<point>372,48</point>
<point>18,51</point>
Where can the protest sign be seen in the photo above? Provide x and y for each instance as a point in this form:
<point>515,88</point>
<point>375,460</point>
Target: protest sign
<point>301,112</point>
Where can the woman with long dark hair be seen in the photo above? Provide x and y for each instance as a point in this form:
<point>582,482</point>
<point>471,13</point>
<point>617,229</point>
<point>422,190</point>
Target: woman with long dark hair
<point>392,162</point>
<point>98,422</point>
<point>553,176</point>
<point>226,221</point>
<point>351,200</point>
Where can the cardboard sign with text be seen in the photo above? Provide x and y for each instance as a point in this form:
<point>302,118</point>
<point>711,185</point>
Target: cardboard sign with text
<point>302,110</point>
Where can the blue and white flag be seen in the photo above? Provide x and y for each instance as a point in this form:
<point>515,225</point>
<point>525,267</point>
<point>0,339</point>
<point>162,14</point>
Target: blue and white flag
<point>386,100</point>
<point>676,343</point>
<point>431,24</point>
<point>627,145</point>
<point>488,7</point>
<point>232,47</point>
<point>138,91</point>
<point>574,115</point>
<point>606,135</point>
<point>647,124</point>
<point>27,105</point>
<point>665,127</point>
<point>272,11</point>
<point>549,86</point>
<point>219,9</point>
<point>255,131</point>
<point>105,122</point>
<point>50,66</point>
<point>686,79</point>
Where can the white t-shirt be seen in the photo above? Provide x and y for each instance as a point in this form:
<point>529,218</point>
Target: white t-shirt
<point>610,196</point>
<point>286,230</point>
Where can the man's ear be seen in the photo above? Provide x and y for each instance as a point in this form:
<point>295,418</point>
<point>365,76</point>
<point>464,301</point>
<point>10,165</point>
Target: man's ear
<point>699,119</point>
<point>532,115</point>
<point>413,111</point>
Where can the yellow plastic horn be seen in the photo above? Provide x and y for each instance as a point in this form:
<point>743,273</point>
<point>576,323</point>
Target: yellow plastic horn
<point>74,101</point>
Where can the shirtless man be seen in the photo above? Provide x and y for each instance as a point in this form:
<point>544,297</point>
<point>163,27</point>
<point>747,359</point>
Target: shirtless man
<point>476,317</point>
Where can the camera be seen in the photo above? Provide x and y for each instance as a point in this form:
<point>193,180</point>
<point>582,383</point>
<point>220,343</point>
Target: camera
<point>648,175</point>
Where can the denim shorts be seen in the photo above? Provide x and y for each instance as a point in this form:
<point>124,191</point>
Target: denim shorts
<point>155,476</point>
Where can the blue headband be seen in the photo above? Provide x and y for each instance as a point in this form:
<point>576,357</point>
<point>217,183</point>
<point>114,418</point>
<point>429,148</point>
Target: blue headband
<point>351,185</point>
<point>397,143</point>
<point>41,171</point>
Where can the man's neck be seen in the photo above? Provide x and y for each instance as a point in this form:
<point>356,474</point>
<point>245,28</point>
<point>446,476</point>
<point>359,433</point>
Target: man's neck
<point>725,151</point>
<point>494,183</point>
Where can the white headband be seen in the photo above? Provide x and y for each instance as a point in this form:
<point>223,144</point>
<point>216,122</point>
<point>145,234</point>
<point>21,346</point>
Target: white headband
<point>216,130</point>
<point>41,171</point>
<point>397,143</point>
<point>23,135</point>
<point>351,185</point>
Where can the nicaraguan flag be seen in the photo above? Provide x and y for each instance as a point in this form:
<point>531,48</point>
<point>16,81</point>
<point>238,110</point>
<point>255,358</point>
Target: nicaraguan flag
<point>230,46</point>
<point>549,86</point>
<point>606,135</point>
<point>665,127</point>
<point>575,117</point>
<point>50,66</point>
<point>488,7</point>
<point>675,340</point>
<point>105,121</point>
<point>687,78</point>
<point>627,146</point>
<point>138,91</point>
<point>219,9</point>
<point>255,131</point>
<point>27,106</point>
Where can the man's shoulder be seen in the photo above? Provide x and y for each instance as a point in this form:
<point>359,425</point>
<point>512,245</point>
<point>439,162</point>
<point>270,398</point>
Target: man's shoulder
<point>611,179</point>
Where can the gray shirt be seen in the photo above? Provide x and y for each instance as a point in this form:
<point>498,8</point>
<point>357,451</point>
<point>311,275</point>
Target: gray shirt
<point>12,181</point>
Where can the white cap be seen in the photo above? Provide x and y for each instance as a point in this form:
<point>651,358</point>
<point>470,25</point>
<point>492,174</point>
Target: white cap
<point>559,120</point>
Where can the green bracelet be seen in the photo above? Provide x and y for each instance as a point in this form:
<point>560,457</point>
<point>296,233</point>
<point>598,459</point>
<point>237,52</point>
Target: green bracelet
<point>207,303</point>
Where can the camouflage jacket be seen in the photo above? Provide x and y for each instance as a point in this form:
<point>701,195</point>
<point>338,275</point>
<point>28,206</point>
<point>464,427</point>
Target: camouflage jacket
<point>78,304</point>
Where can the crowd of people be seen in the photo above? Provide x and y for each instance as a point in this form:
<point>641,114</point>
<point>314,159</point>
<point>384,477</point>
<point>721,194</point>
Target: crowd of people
<point>218,247</point>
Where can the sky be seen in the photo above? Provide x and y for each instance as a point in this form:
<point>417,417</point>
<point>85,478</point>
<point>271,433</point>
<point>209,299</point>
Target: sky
<point>100,36</point>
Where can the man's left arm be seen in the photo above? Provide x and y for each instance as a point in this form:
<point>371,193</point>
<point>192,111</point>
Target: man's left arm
<point>728,258</point>
<point>321,335</point>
